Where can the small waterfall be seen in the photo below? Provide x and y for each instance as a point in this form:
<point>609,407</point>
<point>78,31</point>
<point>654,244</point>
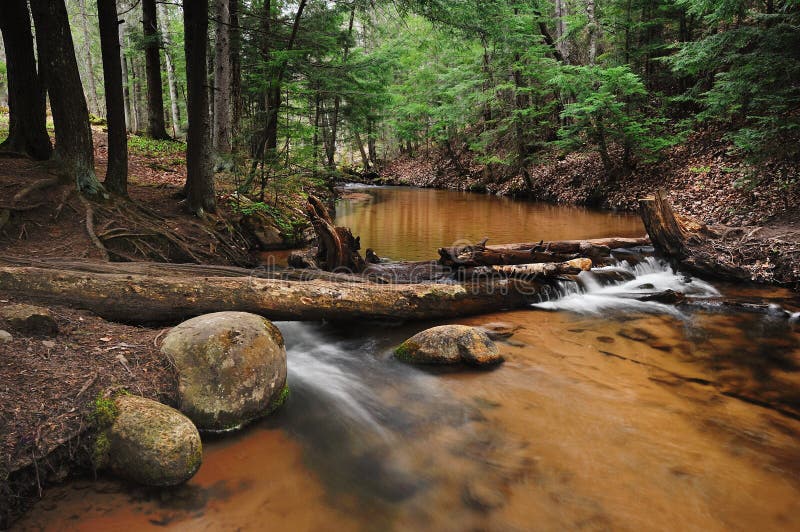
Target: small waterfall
<point>591,293</point>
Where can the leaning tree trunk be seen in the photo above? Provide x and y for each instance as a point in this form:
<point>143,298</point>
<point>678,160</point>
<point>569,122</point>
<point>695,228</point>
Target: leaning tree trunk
<point>155,99</point>
<point>199,176</point>
<point>59,70</point>
<point>686,242</point>
<point>26,96</point>
<point>117,171</point>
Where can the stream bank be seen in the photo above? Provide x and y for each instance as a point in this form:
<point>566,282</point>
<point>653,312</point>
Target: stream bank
<point>702,179</point>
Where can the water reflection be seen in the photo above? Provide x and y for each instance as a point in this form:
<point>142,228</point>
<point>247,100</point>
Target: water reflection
<point>411,224</point>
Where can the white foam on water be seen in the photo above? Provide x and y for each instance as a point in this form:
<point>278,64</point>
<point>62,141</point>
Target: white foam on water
<point>652,276</point>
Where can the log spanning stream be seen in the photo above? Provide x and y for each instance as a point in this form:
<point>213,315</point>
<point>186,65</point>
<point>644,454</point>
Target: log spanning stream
<point>612,413</point>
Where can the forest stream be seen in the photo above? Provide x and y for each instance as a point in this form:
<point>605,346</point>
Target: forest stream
<point>608,413</point>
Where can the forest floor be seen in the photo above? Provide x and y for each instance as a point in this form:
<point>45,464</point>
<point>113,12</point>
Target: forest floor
<point>701,177</point>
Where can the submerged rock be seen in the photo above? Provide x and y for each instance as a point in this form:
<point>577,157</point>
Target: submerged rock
<point>231,368</point>
<point>150,443</point>
<point>450,344</point>
<point>498,330</point>
<point>29,319</point>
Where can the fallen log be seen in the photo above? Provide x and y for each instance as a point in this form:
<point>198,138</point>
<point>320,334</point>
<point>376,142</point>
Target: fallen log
<point>133,298</point>
<point>540,270</point>
<point>599,250</point>
<point>687,242</point>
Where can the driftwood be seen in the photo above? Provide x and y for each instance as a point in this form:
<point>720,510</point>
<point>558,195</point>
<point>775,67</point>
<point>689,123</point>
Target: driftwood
<point>540,270</point>
<point>337,248</point>
<point>598,250</point>
<point>685,241</point>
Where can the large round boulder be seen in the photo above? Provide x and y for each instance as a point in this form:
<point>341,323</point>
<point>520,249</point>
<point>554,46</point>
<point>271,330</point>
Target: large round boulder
<point>450,344</point>
<point>231,368</point>
<point>150,443</point>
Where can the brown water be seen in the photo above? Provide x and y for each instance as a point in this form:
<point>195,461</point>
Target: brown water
<point>605,415</point>
<point>411,223</point>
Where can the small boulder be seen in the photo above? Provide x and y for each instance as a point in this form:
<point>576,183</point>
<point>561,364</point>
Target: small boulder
<point>5,337</point>
<point>29,319</point>
<point>150,443</point>
<point>450,344</point>
<point>231,368</point>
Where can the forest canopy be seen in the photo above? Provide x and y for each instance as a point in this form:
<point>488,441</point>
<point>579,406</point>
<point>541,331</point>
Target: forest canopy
<point>309,87</point>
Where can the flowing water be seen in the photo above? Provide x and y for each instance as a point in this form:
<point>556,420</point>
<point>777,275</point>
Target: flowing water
<point>609,412</point>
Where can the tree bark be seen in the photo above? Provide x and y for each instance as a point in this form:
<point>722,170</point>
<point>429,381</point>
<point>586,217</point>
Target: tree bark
<point>155,99</point>
<point>59,70</point>
<point>199,188</point>
<point>157,299</point>
<point>175,112</point>
<point>236,69</point>
<point>26,95</point>
<point>117,171</point>
<point>222,78</point>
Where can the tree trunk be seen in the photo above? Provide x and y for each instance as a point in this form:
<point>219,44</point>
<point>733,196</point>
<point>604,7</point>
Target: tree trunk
<point>561,44</point>
<point>87,37</point>
<point>136,100</point>
<point>222,78</point>
<point>236,69</point>
<point>337,249</point>
<point>59,71</point>
<point>126,97</point>
<point>26,96</point>
<point>155,99</point>
<point>594,30</point>
<point>150,299</point>
<point>685,241</point>
<point>117,171</point>
<point>363,151</point>
<point>199,176</point>
<point>175,112</point>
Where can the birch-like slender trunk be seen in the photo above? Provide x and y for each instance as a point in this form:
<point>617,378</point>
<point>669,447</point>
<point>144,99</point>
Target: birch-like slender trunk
<point>222,78</point>
<point>175,111</point>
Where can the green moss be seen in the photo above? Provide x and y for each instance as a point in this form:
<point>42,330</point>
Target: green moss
<point>278,402</point>
<point>406,350</point>
<point>104,412</point>
<point>102,446</point>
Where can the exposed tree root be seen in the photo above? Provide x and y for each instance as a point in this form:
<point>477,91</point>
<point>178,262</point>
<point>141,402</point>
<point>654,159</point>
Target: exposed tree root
<point>90,229</point>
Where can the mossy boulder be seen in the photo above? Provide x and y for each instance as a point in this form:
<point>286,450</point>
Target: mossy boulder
<point>149,443</point>
<point>29,319</point>
<point>450,344</point>
<point>231,368</point>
